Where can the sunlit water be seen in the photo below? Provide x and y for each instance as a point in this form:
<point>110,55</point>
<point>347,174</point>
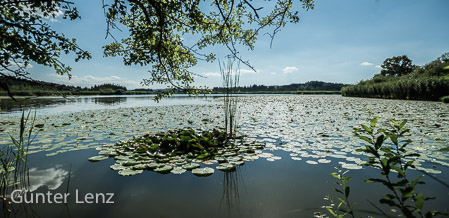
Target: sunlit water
<point>310,134</point>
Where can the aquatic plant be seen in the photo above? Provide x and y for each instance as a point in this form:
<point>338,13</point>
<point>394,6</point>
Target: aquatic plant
<point>13,160</point>
<point>342,205</point>
<point>387,151</point>
<point>176,151</point>
<point>231,78</point>
<point>445,99</point>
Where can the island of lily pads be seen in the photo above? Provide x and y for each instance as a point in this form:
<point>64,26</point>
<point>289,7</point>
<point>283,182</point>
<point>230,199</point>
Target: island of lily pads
<point>181,150</point>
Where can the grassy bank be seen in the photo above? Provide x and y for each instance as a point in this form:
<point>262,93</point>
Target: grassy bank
<point>428,82</point>
<point>428,88</point>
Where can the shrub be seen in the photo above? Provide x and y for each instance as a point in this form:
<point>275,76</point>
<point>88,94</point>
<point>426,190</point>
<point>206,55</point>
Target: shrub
<point>445,99</point>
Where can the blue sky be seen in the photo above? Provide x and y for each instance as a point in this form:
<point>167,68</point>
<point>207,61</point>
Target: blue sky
<point>341,41</point>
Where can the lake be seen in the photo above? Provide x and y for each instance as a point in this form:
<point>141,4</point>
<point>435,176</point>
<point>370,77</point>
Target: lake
<point>305,137</point>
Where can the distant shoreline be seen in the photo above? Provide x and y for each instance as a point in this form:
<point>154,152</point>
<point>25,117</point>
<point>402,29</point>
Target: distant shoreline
<point>4,94</point>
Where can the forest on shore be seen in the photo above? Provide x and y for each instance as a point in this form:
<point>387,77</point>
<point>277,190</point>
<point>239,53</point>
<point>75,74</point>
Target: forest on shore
<point>24,87</point>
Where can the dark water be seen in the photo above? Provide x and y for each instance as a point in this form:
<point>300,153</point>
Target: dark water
<point>283,188</point>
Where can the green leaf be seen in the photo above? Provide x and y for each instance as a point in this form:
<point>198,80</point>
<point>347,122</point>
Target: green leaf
<point>367,129</point>
<point>336,175</point>
<point>347,191</point>
<point>394,139</point>
<point>379,141</point>
<point>364,138</point>
<point>373,121</point>
<point>338,190</point>
<point>402,124</point>
<point>419,201</point>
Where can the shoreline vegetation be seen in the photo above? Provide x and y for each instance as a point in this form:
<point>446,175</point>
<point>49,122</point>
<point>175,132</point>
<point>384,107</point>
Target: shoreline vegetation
<point>399,79</point>
<point>28,88</point>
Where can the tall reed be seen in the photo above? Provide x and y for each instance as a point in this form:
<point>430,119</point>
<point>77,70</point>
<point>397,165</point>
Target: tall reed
<point>13,159</point>
<point>231,78</point>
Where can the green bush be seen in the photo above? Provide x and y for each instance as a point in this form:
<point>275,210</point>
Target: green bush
<point>427,88</point>
<point>445,99</point>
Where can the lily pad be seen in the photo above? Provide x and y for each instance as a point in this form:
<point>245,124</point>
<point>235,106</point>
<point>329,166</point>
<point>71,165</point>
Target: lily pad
<point>117,167</point>
<point>129,172</point>
<point>163,169</point>
<point>98,158</point>
<point>227,167</point>
<point>178,170</point>
<point>203,172</point>
<point>139,167</point>
<point>131,163</point>
<point>190,166</point>
<point>153,165</point>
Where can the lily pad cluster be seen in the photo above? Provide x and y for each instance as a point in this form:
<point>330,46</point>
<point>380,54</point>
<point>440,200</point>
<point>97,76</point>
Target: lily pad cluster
<point>178,151</point>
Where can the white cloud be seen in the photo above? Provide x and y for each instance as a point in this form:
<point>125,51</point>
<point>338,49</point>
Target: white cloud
<point>89,80</point>
<point>378,66</point>
<point>290,69</point>
<point>19,64</point>
<point>273,73</point>
<point>366,64</point>
<point>212,74</point>
<point>248,71</point>
<point>51,17</point>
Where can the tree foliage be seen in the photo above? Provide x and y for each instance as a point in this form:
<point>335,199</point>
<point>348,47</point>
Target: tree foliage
<point>397,66</point>
<point>156,29</point>
<point>26,36</point>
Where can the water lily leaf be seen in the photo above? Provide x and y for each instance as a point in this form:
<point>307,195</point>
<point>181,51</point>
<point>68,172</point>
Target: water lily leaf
<point>311,162</point>
<point>178,170</point>
<point>226,167</point>
<point>98,158</point>
<point>203,172</point>
<point>190,166</point>
<point>117,167</point>
<point>239,162</point>
<point>153,165</point>
<point>163,169</point>
<point>130,163</point>
<point>324,161</point>
<point>139,167</point>
<point>129,172</point>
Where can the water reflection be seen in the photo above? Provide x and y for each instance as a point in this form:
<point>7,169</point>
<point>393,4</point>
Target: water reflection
<point>54,105</point>
<point>230,200</point>
<point>9,105</point>
<point>109,101</point>
<point>52,178</point>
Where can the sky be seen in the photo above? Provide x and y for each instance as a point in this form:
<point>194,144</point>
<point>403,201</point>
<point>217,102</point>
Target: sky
<point>341,41</point>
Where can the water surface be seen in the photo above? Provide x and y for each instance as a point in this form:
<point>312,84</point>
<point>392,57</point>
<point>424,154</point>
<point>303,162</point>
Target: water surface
<point>310,135</point>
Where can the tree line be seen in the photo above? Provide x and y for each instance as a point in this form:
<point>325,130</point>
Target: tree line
<point>25,87</point>
<point>308,86</point>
